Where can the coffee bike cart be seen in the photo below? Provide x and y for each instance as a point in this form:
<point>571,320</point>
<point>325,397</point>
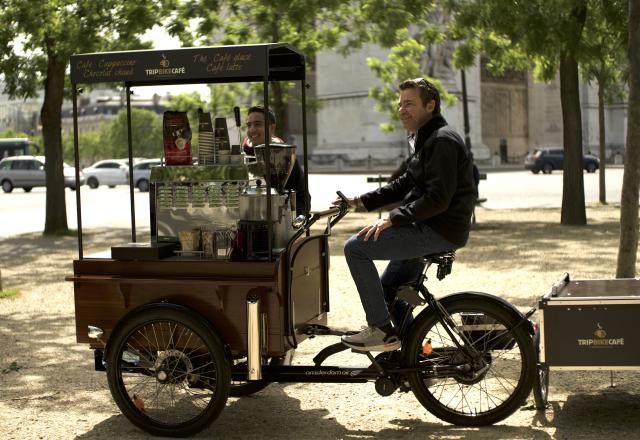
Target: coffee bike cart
<point>587,325</point>
<point>177,333</point>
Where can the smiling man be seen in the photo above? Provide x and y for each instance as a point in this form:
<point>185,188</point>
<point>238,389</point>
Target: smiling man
<point>256,135</point>
<point>437,195</point>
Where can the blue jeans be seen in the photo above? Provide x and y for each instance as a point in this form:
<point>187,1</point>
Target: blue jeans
<point>403,245</point>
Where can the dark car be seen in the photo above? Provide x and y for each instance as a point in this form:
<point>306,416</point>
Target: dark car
<point>548,159</point>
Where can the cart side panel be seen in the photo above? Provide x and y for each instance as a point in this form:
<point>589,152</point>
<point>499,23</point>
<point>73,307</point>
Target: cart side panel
<point>591,335</point>
<point>309,285</point>
<point>103,300</point>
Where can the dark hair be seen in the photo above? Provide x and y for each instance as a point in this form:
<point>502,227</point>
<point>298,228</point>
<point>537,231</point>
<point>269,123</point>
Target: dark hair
<point>260,109</point>
<point>427,91</point>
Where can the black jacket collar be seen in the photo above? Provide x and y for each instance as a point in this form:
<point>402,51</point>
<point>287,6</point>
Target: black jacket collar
<point>436,122</point>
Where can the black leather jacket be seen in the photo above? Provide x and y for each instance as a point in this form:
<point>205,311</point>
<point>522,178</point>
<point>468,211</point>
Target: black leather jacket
<point>437,189</point>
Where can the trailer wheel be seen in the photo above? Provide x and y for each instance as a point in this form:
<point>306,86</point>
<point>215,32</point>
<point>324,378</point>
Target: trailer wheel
<point>541,384</point>
<point>167,371</point>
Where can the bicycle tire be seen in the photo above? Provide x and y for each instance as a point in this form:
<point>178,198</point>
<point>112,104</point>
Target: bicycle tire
<point>459,398</point>
<point>167,371</point>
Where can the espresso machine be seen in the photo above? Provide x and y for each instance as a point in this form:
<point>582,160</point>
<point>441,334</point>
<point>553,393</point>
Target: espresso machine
<point>253,227</point>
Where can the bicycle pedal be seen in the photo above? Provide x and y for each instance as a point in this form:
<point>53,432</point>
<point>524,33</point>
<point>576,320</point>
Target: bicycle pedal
<point>321,330</point>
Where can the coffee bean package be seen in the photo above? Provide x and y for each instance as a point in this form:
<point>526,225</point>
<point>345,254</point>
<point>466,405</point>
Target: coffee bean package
<point>177,138</point>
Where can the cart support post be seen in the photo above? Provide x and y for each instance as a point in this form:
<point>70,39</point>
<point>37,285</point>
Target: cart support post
<point>267,143</point>
<point>254,358</point>
<point>130,144</point>
<point>76,160</point>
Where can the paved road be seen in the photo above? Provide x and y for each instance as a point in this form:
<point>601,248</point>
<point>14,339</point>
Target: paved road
<point>21,212</point>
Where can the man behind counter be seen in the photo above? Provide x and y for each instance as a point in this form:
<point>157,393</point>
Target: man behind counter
<point>256,136</point>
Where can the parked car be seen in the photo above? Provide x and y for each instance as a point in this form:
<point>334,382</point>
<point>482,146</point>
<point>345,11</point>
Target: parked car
<point>547,159</point>
<point>110,172</point>
<point>142,173</point>
<point>27,172</point>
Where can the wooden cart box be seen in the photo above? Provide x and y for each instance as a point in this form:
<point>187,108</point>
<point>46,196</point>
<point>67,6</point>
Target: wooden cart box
<point>105,290</point>
<point>591,324</point>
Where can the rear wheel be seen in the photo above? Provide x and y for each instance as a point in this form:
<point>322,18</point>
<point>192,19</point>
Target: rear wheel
<point>591,167</point>
<point>463,391</point>
<point>93,182</point>
<point>547,168</point>
<point>535,171</point>
<point>168,372</point>
<point>7,186</point>
<point>27,189</point>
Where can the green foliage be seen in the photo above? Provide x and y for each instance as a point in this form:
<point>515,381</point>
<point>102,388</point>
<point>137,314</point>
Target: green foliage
<point>93,146</point>
<point>146,130</point>
<point>9,293</point>
<point>607,62</point>
<point>10,133</point>
<point>12,367</point>
<point>35,33</point>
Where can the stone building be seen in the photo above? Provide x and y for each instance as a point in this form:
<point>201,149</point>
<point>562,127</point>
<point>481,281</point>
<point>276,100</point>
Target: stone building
<point>511,110</point>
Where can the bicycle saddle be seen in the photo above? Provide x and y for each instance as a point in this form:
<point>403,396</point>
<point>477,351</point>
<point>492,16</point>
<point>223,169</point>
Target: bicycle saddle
<point>444,260</point>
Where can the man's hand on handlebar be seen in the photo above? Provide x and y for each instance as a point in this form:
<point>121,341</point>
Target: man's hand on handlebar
<point>352,202</point>
<point>375,228</point>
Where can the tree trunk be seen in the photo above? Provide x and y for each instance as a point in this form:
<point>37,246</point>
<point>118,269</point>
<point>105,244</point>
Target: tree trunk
<point>573,208</point>
<point>602,153</point>
<point>280,109</point>
<point>628,248</point>
<point>56,211</point>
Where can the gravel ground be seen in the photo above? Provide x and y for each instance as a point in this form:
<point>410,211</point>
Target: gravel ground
<point>517,254</point>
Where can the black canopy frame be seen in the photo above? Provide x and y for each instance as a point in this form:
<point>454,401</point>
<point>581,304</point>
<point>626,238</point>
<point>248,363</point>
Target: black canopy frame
<point>197,65</point>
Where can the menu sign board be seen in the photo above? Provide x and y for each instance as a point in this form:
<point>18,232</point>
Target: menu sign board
<point>153,66</point>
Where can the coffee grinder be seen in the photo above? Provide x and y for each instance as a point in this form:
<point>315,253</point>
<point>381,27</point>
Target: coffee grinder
<point>253,225</point>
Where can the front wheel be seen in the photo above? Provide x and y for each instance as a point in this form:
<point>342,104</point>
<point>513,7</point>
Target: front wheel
<point>7,186</point>
<point>470,391</point>
<point>167,371</point>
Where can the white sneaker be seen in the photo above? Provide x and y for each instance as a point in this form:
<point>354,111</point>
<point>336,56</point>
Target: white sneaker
<point>372,339</point>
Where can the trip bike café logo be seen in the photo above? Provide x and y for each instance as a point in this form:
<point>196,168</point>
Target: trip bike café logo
<point>165,69</point>
<point>600,339</point>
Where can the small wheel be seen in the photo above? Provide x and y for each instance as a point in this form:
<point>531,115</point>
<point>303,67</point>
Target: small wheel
<point>247,388</point>
<point>591,167</point>
<point>143,185</point>
<point>547,168</point>
<point>470,391</point>
<point>27,189</point>
<point>93,182</point>
<point>7,186</point>
<point>167,371</point>
<point>541,384</point>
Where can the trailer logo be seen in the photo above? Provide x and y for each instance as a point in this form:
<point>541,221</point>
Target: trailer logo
<point>600,339</point>
<point>166,69</point>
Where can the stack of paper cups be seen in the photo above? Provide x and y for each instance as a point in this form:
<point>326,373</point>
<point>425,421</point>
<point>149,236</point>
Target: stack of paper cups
<point>207,147</point>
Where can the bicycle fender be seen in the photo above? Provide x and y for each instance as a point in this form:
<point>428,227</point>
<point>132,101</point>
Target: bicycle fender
<point>513,310</point>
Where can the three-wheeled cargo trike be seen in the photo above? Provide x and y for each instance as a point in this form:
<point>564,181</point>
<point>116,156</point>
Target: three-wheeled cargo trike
<point>178,328</point>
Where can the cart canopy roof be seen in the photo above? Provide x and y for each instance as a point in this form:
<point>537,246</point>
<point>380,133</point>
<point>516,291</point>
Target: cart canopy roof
<point>247,63</point>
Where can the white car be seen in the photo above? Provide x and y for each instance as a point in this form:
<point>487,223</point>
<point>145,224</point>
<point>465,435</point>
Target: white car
<point>110,172</point>
<point>142,172</point>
